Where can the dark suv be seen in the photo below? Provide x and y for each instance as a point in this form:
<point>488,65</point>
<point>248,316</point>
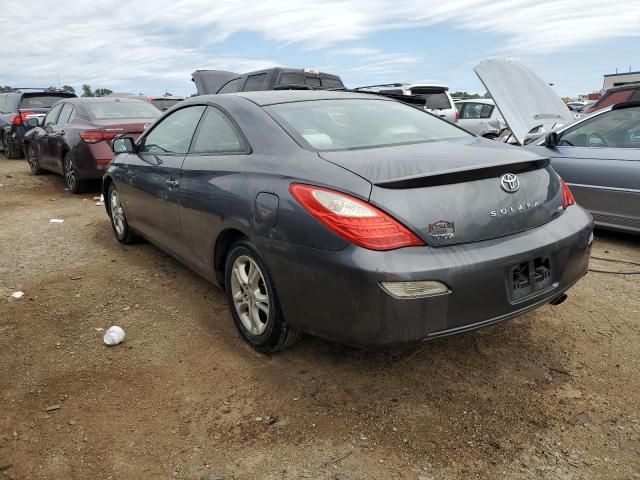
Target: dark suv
<point>19,105</point>
<point>220,81</point>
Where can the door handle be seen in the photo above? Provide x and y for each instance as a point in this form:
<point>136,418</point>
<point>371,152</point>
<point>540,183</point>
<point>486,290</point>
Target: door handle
<point>173,183</point>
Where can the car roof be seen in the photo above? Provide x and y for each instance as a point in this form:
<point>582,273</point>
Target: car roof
<point>426,85</point>
<point>486,101</point>
<point>103,99</point>
<point>271,97</point>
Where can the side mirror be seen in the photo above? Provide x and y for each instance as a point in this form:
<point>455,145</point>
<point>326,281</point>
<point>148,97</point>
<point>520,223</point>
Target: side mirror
<point>552,139</point>
<point>122,145</point>
<point>33,122</point>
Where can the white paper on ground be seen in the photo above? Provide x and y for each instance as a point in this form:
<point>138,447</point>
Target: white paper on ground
<point>56,220</point>
<point>18,294</point>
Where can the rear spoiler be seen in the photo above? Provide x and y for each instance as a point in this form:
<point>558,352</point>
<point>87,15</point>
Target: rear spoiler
<point>464,174</point>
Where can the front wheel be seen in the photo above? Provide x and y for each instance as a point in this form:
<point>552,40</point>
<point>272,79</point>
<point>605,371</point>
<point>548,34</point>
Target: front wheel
<point>119,223</point>
<point>32,159</point>
<point>253,301</point>
<point>71,174</point>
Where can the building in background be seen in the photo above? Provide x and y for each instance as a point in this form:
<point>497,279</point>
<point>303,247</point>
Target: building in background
<point>617,79</point>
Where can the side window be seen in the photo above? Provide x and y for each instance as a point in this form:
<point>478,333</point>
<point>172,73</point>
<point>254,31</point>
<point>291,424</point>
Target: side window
<point>66,114</point>
<point>174,133</point>
<point>635,97</point>
<point>52,116</point>
<point>255,82</point>
<point>217,134</point>
<point>231,87</point>
<point>615,128</point>
<point>471,111</point>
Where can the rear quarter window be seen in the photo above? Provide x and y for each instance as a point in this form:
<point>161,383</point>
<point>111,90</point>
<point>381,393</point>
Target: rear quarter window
<point>328,82</point>
<point>11,105</point>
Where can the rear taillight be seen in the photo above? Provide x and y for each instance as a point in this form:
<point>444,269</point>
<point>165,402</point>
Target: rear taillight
<point>567,196</point>
<point>26,115</point>
<point>457,115</point>
<point>95,136</point>
<point>356,221</point>
<point>16,120</point>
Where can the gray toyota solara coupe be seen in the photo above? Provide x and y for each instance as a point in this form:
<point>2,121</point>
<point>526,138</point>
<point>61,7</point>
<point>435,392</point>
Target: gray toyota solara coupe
<point>352,217</point>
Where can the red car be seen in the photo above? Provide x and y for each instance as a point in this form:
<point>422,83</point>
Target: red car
<point>74,139</point>
<point>615,95</point>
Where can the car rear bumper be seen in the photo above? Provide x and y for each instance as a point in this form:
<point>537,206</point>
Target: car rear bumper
<point>92,160</point>
<point>338,296</point>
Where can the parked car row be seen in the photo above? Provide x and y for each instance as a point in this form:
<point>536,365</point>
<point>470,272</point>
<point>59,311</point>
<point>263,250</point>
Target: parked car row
<point>74,138</point>
<point>371,217</point>
<point>16,108</point>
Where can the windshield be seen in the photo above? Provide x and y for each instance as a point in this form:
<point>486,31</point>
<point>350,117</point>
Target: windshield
<point>354,124</point>
<point>40,101</point>
<point>115,109</point>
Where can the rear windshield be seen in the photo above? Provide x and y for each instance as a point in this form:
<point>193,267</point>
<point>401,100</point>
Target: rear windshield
<point>353,124</point>
<point>437,99</point>
<point>290,78</point>
<point>114,109</point>
<point>164,103</point>
<point>40,101</point>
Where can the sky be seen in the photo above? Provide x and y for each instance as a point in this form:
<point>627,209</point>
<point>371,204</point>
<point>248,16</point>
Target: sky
<point>152,47</point>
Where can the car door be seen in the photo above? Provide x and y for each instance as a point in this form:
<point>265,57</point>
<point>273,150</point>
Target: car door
<point>57,138</point>
<point>214,165</point>
<point>471,118</point>
<point>600,159</point>
<point>45,141</point>
<point>153,179</point>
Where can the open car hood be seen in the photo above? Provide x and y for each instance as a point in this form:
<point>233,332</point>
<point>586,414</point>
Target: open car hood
<point>524,99</point>
<point>209,82</point>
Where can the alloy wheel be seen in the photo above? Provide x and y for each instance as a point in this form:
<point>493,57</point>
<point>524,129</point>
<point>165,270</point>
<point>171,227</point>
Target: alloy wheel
<point>117,213</point>
<point>250,296</point>
<point>32,158</point>
<point>70,173</point>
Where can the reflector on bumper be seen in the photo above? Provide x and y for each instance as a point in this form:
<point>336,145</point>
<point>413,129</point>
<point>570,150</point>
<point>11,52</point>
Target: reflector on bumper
<point>419,289</point>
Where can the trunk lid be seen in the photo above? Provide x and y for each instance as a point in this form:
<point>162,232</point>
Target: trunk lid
<point>524,99</point>
<point>209,82</point>
<point>132,128</point>
<point>451,192</point>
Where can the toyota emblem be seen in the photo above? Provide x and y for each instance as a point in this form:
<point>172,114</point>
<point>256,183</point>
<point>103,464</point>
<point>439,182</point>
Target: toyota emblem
<point>509,183</point>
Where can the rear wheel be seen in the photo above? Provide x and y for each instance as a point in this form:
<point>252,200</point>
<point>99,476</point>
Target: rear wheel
<point>32,158</point>
<point>253,301</point>
<point>71,174</point>
<point>119,223</point>
<point>11,150</point>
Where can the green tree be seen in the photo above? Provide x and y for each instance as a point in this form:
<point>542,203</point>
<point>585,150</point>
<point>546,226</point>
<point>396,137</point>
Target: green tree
<point>86,91</point>
<point>102,92</point>
<point>487,95</point>
<point>68,88</point>
<point>4,88</point>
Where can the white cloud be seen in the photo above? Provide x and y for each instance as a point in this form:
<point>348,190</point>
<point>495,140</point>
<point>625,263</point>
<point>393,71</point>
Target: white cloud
<point>108,43</point>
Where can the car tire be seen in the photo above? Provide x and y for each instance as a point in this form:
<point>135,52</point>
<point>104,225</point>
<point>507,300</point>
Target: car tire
<point>123,233</point>
<point>11,150</point>
<point>32,160</point>
<point>74,184</point>
<point>250,290</point>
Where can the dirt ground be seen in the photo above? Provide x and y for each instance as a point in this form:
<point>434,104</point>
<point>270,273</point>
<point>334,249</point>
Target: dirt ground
<point>554,394</point>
